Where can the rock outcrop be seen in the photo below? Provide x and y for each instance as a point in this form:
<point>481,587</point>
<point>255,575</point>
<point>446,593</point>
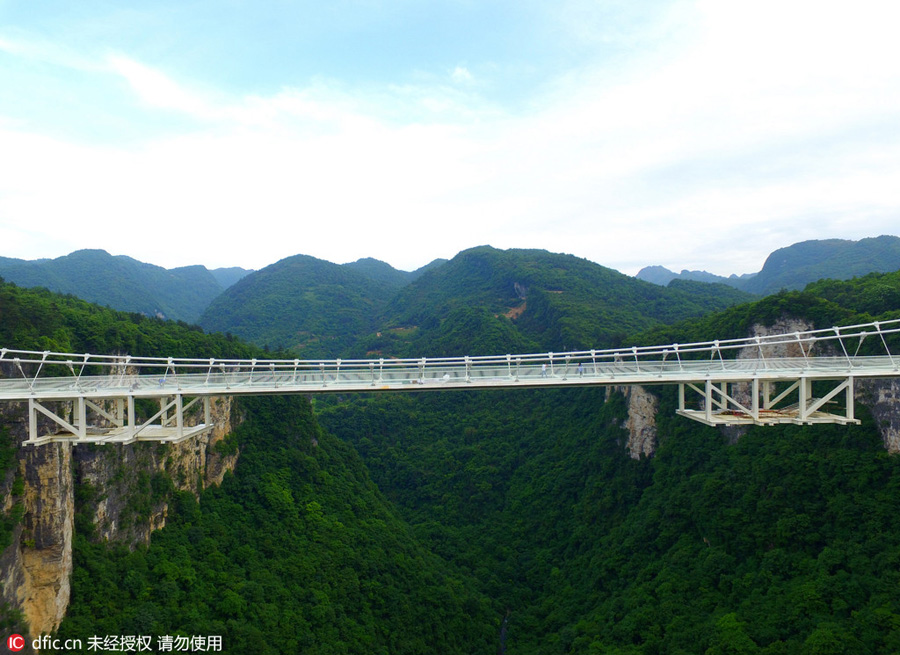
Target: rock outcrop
<point>641,422</point>
<point>45,546</point>
<point>126,492</point>
<point>883,399</point>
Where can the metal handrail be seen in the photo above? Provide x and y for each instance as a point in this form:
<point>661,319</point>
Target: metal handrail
<point>637,360</point>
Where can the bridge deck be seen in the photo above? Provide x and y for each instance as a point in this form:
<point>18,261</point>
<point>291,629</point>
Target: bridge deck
<point>348,378</point>
<point>707,369</point>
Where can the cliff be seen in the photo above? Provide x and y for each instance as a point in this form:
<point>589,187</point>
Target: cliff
<point>119,491</point>
<point>641,422</point>
<point>882,397</point>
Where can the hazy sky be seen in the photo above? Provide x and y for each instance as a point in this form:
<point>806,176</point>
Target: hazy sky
<point>697,134</point>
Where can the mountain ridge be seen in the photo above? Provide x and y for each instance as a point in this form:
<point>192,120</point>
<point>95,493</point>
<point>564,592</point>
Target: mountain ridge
<point>799,264</point>
<point>123,283</point>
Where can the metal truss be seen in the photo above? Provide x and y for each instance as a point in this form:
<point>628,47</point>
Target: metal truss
<point>112,420</point>
<point>726,403</point>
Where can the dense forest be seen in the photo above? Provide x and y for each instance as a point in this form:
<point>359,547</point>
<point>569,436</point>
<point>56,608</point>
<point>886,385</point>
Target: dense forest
<point>509,522</point>
<point>297,552</point>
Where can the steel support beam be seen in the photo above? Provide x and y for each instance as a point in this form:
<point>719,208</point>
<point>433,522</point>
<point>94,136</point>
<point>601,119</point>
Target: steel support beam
<point>719,407</point>
<point>91,422</point>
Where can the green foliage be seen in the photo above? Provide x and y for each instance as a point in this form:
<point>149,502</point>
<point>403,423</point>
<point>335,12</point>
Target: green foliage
<point>463,330</point>
<point>875,294</point>
<point>11,518</point>
<point>737,321</point>
<point>382,272</point>
<point>783,542</point>
<point>36,319</point>
<point>295,552</point>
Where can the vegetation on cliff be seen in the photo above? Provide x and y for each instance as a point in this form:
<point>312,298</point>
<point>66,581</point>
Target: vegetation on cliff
<point>782,541</point>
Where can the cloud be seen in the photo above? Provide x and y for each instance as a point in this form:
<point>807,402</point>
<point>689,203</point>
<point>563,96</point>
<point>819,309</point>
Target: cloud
<point>461,75</point>
<point>159,90</point>
<point>28,47</point>
<point>744,132</point>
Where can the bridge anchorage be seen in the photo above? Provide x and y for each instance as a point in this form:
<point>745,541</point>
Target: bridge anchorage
<point>800,377</point>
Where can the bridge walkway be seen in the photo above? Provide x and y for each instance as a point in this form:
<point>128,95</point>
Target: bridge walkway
<point>801,377</point>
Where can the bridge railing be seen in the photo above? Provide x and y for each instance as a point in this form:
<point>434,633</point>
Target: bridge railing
<point>27,373</point>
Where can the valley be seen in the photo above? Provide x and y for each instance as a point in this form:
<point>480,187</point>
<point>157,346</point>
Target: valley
<point>521,522</point>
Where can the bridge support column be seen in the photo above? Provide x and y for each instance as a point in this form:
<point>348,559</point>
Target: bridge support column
<point>804,394</point>
<point>849,400</point>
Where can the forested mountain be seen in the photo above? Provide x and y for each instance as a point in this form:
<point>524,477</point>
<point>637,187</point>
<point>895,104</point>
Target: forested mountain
<point>229,275</point>
<point>124,283</point>
<point>796,266</point>
<point>383,272</point>
<point>511,522</point>
<point>308,305</point>
<point>800,264</point>
<point>662,276</point>
<point>38,319</point>
<point>489,301</point>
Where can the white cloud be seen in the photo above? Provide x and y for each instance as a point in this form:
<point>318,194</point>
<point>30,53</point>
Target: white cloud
<point>160,91</point>
<point>772,123</point>
<point>461,75</point>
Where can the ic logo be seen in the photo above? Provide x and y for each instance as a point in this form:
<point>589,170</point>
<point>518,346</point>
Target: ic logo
<point>15,643</point>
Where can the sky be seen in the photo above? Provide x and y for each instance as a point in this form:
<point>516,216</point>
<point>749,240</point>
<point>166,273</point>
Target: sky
<point>693,134</point>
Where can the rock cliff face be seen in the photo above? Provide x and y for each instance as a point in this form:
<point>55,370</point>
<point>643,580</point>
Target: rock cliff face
<point>125,491</point>
<point>741,391</point>
<point>127,485</point>
<point>641,422</point>
<point>882,397</point>
<point>784,325</point>
<point>46,539</point>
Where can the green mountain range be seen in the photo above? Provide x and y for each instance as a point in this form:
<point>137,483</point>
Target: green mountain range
<point>560,291</point>
<point>530,300</point>
<point>483,301</point>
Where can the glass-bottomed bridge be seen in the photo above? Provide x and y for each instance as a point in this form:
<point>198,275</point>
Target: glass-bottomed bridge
<point>800,377</point>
